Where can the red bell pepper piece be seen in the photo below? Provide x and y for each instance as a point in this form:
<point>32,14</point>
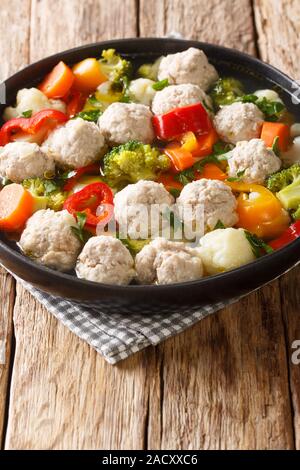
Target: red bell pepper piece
<point>93,169</point>
<point>38,125</point>
<point>288,236</point>
<point>192,118</point>
<point>88,200</point>
<point>75,101</point>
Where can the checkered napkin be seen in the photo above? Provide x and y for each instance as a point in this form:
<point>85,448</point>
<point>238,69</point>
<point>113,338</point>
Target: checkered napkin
<point>117,336</point>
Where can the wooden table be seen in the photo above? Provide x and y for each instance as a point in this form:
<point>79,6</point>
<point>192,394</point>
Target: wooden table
<point>226,383</point>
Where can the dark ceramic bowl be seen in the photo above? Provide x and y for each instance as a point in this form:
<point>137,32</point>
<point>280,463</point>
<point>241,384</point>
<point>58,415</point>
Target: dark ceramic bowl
<point>181,297</point>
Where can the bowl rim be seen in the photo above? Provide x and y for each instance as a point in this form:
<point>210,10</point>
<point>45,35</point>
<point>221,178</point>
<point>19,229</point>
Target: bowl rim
<point>66,277</point>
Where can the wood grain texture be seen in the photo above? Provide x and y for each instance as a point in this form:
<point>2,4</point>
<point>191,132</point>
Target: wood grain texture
<point>7,295</point>
<point>64,394</point>
<point>222,384</point>
<point>226,22</point>
<point>15,48</point>
<point>278,28</point>
<point>283,50</point>
<point>78,23</point>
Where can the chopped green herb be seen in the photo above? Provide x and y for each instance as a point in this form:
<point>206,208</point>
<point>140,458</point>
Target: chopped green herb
<point>219,224</point>
<point>27,114</point>
<point>271,109</point>
<point>275,146</point>
<point>175,192</point>
<point>238,176</point>
<point>91,116</point>
<point>259,247</point>
<point>78,229</point>
<point>161,84</point>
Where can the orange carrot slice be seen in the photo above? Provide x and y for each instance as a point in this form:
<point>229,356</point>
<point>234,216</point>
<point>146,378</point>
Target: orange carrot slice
<point>58,82</point>
<point>16,206</point>
<point>271,130</point>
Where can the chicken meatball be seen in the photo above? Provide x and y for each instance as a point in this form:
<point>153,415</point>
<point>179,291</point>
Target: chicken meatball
<point>238,121</point>
<point>34,100</point>
<point>140,209</point>
<point>22,160</point>
<point>176,96</point>
<point>105,259</point>
<point>122,122</point>
<point>210,199</point>
<point>76,144</point>
<point>49,240</point>
<point>225,249</point>
<point>252,161</point>
<point>165,262</point>
<point>190,66</point>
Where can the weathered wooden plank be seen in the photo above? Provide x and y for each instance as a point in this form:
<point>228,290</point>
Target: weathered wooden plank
<point>76,23</point>
<point>16,49</point>
<point>224,383</point>
<point>63,394</point>
<point>7,296</point>
<point>278,27</point>
<point>218,21</point>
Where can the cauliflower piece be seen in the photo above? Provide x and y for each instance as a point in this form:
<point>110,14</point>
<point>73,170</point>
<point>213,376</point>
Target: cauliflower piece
<point>269,95</point>
<point>76,144</point>
<point>140,208</point>
<point>176,96</point>
<point>212,199</point>
<point>253,160</point>
<point>141,91</point>
<point>105,259</point>
<point>22,160</point>
<point>239,121</point>
<point>122,122</point>
<point>32,99</point>
<point>190,66</point>
<point>225,249</point>
<point>165,262</point>
<point>49,240</point>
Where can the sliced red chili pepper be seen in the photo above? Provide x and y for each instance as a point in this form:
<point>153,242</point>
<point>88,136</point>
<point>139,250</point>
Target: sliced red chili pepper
<point>41,123</point>
<point>93,169</point>
<point>192,118</point>
<point>95,200</point>
<point>288,236</point>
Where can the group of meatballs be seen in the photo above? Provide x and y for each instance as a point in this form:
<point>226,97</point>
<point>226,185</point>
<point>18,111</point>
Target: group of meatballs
<point>48,238</point>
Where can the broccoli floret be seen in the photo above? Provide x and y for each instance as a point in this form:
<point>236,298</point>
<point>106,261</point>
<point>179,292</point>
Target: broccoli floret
<point>135,246</point>
<point>149,70</point>
<point>46,193</point>
<point>226,91</point>
<point>133,161</point>
<point>117,69</point>
<point>286,185</point>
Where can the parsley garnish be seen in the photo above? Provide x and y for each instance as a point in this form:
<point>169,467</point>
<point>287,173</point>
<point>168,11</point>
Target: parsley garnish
<point>27,114</point>
<point>175,192</point>
<point>78,229</point>
<point>219,224</point>
<point>271,109</point>
<point>238,176</point>
<point>161,84</point>
<point>275,146</point>
<point>258,246</point>
<point>91,116</point>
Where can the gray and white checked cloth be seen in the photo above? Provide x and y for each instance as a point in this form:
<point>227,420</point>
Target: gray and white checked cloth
<point>117,336</point>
